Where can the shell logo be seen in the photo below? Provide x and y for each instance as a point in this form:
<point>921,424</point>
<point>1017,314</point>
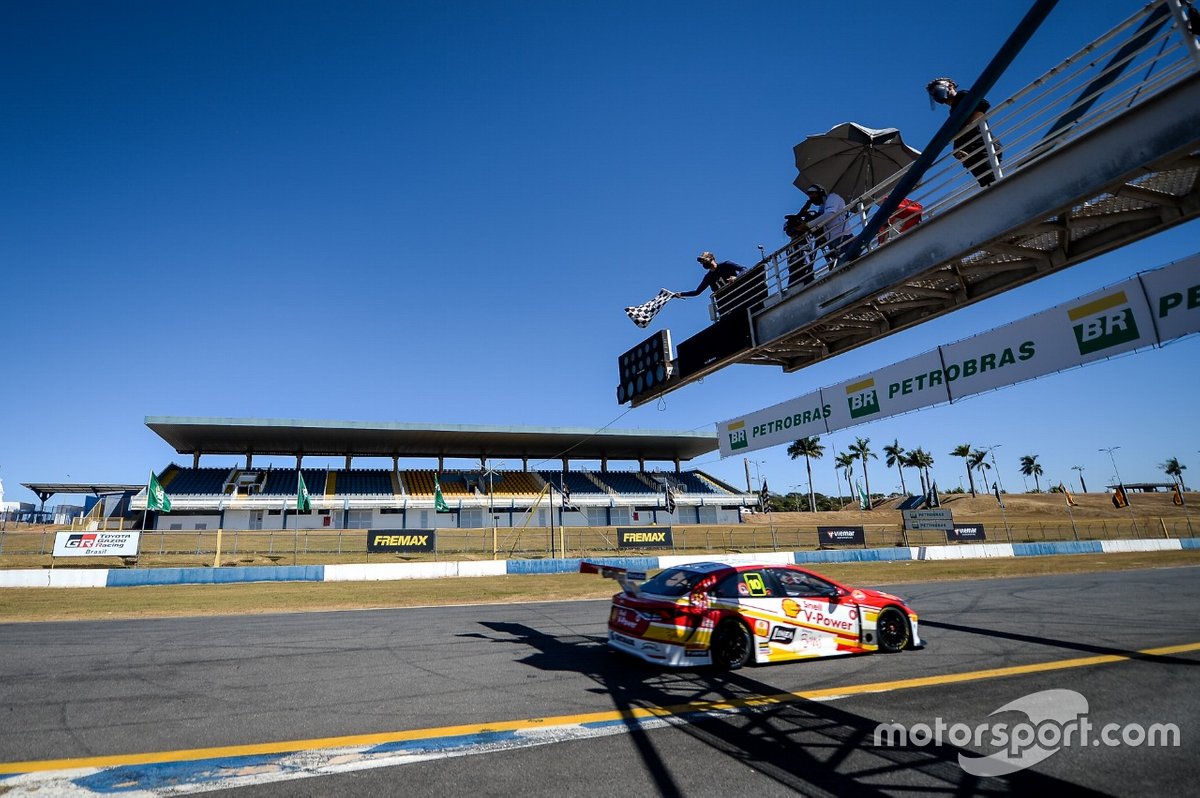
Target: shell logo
<point>790,608</point>
<point>858,595</point>
<point>761,628</point>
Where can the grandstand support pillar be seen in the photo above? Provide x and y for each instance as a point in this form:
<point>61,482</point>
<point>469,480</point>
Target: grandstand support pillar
<point>524,463</point>
<point>566,465</point>
<point>196,459</point>
<point>349,458</point>
<point>441,463</point>
<point>299,458</point>
<point>677,468</point>
<point>396,463</point>
<point>249,460</point>
<point>603,463</point>
<point>641,464</point>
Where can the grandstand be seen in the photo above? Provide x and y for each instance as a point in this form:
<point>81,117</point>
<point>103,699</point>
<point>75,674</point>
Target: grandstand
<point>582,490</point>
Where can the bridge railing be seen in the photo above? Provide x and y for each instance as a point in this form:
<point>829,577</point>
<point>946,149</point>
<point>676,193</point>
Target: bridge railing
<point>1137,60</point>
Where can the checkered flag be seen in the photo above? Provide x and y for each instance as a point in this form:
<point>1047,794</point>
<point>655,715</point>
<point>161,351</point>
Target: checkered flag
<point>670,499</point>
<point>643,314</point>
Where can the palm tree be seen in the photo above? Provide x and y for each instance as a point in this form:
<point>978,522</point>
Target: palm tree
<point>912,460</point>
<point>964,451</point>
<point>895,457</point>
<point>924,462</point>
<point>845,461</point>
<point>811,447</point>
<point>978,461</point>
<point>1174,470</point>
<point>862,451</point>
<point>1031,467</point>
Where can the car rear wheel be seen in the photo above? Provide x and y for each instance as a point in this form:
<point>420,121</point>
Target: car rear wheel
<point>732,645</point>
<point>892,630</point>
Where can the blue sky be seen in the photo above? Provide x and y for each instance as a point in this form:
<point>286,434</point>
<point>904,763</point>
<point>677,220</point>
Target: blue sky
<point>435,212</point>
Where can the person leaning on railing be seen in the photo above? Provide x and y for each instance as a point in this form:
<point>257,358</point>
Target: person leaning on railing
<point>969,146</point>
<point>716,275</point>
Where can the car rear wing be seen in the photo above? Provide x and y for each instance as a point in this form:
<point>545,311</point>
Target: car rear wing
<point>626,578</point>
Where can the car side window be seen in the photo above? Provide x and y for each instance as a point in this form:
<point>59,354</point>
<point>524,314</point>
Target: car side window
<point>748,585</point>
<point>796,584</point>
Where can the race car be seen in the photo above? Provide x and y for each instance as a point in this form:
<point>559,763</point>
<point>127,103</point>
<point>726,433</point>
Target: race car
<point>726,615</point>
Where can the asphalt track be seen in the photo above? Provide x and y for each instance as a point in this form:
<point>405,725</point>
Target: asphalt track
<point>497,700</point>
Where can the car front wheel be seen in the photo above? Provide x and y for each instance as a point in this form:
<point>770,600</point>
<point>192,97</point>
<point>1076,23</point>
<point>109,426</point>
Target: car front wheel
<point>732,645</point>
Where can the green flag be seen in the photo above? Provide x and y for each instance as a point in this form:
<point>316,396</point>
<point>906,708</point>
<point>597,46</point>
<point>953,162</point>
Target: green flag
<point>156,497</point>
<point>439,501</point>
<point>863,502</point>
<point>303,504</point>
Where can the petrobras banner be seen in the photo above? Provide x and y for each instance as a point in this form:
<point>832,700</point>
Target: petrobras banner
<point>941,520</point>
<point>96,544</point>
<point>783,423</point>
<point>1151,308</point>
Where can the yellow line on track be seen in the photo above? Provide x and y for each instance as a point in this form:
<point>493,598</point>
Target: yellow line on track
<point>292,746</point>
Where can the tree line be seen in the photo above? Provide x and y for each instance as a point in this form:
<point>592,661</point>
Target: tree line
<point>975,462</point>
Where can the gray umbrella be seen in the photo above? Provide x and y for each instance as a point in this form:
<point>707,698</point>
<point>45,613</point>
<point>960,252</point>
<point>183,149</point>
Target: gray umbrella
<point>850,158</point>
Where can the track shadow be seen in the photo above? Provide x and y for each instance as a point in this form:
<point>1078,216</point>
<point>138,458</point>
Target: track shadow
<point>806,746</point>
<point>1070,645</point>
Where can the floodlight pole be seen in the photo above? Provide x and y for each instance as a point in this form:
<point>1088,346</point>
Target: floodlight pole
<point>1121,485</point>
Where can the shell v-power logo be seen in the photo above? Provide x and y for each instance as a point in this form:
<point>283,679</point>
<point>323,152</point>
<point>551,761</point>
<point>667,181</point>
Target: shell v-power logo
<point>862,398</point>
<point>1107,321</point>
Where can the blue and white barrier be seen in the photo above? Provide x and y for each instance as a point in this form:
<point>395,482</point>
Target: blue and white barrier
<point>368,572</point>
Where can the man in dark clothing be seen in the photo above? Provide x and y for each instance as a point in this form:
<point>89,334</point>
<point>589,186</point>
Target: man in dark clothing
<point>968,145</point>
<point>716,276</point>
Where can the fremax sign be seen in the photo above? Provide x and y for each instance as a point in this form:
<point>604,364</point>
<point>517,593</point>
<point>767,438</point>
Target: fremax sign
<point>1151,308</point>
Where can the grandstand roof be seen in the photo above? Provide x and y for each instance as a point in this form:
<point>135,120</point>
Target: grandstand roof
<point>44,490</point>
<point>393,439</point>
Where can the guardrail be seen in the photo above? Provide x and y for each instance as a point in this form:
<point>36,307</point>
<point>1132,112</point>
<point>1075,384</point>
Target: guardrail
<point>1139,59</point>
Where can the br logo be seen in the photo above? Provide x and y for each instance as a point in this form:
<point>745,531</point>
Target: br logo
<point>737,435</point>
<point>1104,323</point>
<point>862,398</point>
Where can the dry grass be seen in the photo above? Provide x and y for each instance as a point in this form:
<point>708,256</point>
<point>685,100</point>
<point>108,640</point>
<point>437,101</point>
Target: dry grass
<point>43,604</point>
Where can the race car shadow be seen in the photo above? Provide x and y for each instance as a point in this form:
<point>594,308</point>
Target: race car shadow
<point>806,746</point>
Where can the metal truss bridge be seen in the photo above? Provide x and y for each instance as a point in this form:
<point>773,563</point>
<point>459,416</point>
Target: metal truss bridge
<point>1100,152</point>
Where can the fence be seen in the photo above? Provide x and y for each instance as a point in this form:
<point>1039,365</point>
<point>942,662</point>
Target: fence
<point>351,545</point>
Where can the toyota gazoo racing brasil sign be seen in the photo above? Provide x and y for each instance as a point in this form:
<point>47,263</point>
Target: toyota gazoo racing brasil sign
<point>96,544</point>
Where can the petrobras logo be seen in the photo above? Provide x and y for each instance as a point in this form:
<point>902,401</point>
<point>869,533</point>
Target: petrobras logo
<point>85,541</point>
<point>862,398</point>
<point>1103,323</point>
<point>737,435</point>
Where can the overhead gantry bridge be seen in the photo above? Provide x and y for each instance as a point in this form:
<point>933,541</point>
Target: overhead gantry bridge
<point>1101,151</point>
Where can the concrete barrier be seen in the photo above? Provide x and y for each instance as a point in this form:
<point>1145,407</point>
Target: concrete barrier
<point>1111,546</point>
<point>852,555</point>
<point>1058,547</point>
<point>141,577</point>
<point>972,551</point>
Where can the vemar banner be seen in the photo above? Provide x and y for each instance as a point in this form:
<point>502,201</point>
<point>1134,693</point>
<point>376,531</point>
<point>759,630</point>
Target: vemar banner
<point>1151,308</point>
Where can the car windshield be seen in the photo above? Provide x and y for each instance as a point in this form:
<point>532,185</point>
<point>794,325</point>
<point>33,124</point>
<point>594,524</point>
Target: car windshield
<point>673,582</point>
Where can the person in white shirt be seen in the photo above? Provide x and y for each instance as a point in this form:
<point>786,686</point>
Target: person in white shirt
<point>830,223</point>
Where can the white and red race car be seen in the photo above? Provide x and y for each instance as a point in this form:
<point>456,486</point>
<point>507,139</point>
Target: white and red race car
<point>722,614</point>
